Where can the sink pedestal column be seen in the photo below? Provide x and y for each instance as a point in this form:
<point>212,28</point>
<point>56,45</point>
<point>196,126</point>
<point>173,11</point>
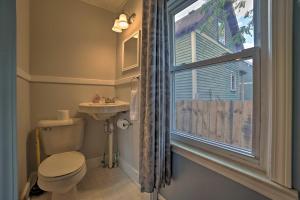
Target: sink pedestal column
<point>109,129</point>
<point>105,111</point>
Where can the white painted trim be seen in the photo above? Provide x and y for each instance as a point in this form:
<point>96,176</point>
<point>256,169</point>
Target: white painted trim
<point>71,80</point>
<point>194,59</point>
<point>126,68</point>
<point>23,74</point>
<point>25,192</point>
<point>254,181</point>
<point>126,80</point>
<point>281,55</point>
<point>131,172</point>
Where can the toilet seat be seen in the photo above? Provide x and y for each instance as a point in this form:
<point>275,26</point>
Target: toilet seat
<point>61,164</point>
<point>61,172</point>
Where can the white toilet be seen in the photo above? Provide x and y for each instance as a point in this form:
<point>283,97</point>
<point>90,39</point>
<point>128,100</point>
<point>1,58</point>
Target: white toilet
<point>65,167</point>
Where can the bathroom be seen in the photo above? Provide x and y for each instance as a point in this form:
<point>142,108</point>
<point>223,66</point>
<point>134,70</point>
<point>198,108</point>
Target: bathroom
<point>149,100</point>
<point>67,55</point>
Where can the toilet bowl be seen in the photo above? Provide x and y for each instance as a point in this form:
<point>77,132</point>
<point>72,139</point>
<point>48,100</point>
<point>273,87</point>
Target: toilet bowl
<point>60,173</point>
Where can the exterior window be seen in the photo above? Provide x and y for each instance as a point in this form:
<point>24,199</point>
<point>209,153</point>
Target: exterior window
<point>231,89</point>
<point>207,108</point>
<point>233,82</point>
<point>221,32</point>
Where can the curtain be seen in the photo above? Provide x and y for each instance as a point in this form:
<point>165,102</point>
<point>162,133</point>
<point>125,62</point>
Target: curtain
<point>155,153</point>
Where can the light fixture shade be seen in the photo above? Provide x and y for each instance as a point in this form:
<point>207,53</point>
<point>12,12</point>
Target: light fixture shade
<point>116,27</point>
<point>123,23</point>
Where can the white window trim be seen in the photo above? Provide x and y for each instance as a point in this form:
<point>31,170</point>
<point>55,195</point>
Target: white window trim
<point>281,60</point>
<point>194,59</point>
<point>233,84</point>
<point>219,40</point>
<point>276,183</point>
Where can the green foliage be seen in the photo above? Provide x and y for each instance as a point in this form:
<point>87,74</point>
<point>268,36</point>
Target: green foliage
<point>214,9</point>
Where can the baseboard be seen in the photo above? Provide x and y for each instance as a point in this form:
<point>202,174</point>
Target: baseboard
<point>23,74</point>
<point>93,163</point>
<point>131,172</point>
<point>25,192</point>
<point>27,187</point>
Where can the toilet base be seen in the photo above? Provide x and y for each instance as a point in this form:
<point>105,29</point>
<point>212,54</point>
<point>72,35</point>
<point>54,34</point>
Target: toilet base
<point>71,194</point>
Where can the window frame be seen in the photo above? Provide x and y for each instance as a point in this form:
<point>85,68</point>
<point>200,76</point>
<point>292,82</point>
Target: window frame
<point>218,25</point>
<point>276,110</point>
<point>256,162</point>
<point>233,82</point>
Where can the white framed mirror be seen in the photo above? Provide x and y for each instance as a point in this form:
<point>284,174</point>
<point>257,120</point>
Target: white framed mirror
<point>130,52</point>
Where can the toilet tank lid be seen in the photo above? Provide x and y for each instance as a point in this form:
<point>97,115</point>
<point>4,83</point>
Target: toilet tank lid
<point>55,123</point>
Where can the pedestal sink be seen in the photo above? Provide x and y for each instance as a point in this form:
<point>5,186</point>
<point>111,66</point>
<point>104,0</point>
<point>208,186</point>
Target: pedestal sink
<point>105,112</point>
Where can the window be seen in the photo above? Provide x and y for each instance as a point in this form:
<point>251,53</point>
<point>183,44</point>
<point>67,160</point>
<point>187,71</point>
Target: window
<point>233,82</point>
<point>207,107</point>
<point>231,88</point>
<point>221,32</point>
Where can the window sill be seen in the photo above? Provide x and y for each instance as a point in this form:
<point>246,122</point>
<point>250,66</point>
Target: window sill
<point>246,177</point>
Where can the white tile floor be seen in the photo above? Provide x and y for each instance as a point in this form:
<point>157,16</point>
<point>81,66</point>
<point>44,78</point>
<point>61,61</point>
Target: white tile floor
<point>106,184</point>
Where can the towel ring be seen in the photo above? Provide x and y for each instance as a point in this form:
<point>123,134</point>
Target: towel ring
<point>137,78</point>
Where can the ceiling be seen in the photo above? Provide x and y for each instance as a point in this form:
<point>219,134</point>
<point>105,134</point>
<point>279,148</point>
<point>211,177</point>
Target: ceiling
<point>110,5</point>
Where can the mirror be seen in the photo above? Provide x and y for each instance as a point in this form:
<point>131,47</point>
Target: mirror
<point>130,52</point>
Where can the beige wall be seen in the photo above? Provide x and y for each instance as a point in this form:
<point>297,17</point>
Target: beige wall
<point>128,140</point>
<point>73,39</point>
<point>47,98</point>
<point>23,34</point>
<point>132,6</point>
<point>23,89</point>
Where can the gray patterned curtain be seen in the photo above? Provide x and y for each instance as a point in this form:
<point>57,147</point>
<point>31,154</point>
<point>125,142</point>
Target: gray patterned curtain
<point>155,169</point>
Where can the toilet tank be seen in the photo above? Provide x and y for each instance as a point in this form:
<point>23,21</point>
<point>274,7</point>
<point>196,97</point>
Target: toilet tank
<point>59,136</point>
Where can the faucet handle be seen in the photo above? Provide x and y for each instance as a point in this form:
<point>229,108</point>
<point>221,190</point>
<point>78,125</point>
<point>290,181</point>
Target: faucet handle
<point>96,99</point>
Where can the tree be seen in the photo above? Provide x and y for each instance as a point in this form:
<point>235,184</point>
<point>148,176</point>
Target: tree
<point>217,9</point>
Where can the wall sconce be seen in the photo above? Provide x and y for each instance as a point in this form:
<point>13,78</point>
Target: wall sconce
<point>123,22</point>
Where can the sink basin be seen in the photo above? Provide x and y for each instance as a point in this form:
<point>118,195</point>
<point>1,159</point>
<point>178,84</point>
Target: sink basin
<point>103,111</point>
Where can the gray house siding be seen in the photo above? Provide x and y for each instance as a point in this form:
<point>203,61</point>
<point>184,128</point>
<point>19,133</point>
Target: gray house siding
<point>183,49</point>
<point>183,85</point>
<point>207,49</point>
<point>213,82</point>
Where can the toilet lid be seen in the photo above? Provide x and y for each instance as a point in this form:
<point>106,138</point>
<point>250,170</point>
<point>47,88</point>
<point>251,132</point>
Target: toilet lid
<point>61,164</point>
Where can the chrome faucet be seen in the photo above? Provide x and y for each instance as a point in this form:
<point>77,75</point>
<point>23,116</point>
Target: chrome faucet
<point>110,100</point>
<point>98,99</point>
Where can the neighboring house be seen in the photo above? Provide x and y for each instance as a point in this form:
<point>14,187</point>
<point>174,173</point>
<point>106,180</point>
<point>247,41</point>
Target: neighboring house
<point>196,42</point>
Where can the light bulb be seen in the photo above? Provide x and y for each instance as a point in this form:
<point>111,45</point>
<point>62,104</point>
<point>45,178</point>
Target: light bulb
<point>123,23</point>
<point>116,27</point>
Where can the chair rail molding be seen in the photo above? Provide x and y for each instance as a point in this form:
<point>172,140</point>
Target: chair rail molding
<point>72,80</point>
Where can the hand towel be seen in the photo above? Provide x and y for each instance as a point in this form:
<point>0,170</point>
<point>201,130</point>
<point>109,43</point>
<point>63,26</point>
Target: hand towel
<point>134,105</point>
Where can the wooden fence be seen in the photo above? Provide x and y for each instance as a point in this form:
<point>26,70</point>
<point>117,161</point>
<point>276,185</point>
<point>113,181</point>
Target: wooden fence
<point>229,122</point>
